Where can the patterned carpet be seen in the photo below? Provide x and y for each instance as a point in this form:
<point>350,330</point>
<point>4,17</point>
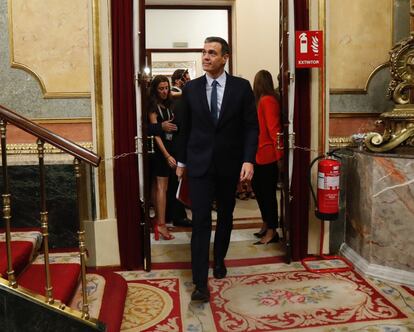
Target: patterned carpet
<point>272,297</point>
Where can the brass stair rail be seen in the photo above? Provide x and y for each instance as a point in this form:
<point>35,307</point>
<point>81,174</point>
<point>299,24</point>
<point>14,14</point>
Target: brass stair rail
<point>80,154</point>
<point>6,205</point>
<point>49,137</point>
<point>82,247</point>
<point>44,221</point>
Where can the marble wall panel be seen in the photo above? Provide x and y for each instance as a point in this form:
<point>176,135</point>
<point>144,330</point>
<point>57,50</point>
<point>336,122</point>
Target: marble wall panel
<point>77,132</point>
<point>358,201</point>
<point>50,38</point>
<point>380,209</point>
<point>60,201</point>
<point>346,126</point>
<point>393,213</point>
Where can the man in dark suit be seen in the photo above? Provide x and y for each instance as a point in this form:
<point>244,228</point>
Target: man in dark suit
<point>219,142</point>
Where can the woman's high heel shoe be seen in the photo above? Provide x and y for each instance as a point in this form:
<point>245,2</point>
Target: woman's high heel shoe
<point>260,233</point>
<point>274,239</point>
<point>157,233</point>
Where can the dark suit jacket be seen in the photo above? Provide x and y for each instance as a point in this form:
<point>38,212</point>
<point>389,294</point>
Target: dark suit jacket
<point>225,145</point>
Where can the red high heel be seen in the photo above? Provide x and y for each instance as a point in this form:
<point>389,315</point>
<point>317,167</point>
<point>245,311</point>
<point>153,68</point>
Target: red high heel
<point>157,233</point>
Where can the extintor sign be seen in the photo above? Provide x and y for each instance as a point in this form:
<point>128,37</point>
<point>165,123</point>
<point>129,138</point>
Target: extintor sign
<point>309,49</point>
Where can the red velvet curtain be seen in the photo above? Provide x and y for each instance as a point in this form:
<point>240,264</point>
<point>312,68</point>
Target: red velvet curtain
<point>125,129</point>
<point>300,188</point>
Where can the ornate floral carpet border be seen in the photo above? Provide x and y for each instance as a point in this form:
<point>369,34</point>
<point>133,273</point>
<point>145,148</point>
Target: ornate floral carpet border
<point>373,305</point>
<point>296,299</point>
<point>153,305</point>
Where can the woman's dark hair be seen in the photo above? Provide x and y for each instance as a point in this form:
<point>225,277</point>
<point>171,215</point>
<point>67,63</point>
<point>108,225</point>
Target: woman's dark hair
<point>263,85</point>
<point>153,99</point>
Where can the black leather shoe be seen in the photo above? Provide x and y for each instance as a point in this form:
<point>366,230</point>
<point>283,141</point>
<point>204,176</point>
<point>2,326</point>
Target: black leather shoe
<point>260,234</point>
<point>185,222</point>
<point>219,271</point>
<point>275,239</point>
<point>200,295</point>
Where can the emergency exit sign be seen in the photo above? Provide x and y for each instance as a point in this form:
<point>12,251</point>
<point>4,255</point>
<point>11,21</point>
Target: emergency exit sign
<point>309,49</point>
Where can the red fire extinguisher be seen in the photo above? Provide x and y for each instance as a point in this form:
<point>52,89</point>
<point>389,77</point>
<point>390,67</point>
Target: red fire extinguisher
<point>327,198</point>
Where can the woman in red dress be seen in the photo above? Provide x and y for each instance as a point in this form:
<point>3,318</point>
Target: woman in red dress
<point>268,157</point>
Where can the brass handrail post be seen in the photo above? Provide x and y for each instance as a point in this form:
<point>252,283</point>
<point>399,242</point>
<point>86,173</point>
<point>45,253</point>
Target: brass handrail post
<point>82,247</point>
<point>44,221</point>
<point>6,205</point>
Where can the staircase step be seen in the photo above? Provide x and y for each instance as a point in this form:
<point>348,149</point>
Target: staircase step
<point>24,245</point>
<point>107,293</point>
<point>64,271</point>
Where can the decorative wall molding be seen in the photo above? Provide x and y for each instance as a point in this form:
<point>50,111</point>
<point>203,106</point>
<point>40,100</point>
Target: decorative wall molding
<point>341,142</point>
<point>355,52</point>
<point>49,40</point>
<point>365,89</point>
<point>65,120</point>
<point>353,115</point>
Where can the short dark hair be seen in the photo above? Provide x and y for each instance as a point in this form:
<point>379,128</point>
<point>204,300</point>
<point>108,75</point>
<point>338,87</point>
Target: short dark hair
<point>225,48</point>
<point>178,75</point>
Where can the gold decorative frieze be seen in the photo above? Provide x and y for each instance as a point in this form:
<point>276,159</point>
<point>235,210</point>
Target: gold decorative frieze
<point>31,148</point>
<point>49,39</point>
<point>341,142</point>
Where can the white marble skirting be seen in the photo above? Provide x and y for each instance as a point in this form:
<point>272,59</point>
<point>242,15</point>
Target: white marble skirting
<point>375,270</point>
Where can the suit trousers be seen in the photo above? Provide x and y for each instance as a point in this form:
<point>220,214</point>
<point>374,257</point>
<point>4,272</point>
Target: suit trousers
<point>203,190</point>
<point>175,210</point>
<point>264,186</point>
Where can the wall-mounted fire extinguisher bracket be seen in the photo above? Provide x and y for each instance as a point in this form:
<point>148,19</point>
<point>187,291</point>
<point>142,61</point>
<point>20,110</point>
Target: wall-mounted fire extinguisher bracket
<point>326,206</point>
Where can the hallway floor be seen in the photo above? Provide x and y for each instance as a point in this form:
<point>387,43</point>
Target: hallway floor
<point>260,292</point>
<point>267,297</point>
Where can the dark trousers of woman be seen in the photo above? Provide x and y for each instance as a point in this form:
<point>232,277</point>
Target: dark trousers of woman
<point>264,185</point>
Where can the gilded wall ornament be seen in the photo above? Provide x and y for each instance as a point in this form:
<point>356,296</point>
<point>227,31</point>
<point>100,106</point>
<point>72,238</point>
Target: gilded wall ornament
<point>399,123</point>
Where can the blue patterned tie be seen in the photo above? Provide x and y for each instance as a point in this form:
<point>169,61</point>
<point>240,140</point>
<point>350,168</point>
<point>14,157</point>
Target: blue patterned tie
<point>213,102</point>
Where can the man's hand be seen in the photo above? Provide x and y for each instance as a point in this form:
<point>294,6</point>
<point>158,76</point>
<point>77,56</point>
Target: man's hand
<point>168,126</point>
<point>246,173</point>
<point>179,172</point>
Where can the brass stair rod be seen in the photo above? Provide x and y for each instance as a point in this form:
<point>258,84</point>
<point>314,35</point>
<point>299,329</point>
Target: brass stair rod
<point>81,235</point>
<point>44,221</point>
<point>6,205</point>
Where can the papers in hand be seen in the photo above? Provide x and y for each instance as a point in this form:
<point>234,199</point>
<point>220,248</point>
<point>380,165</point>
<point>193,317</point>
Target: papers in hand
<point>183,194</point>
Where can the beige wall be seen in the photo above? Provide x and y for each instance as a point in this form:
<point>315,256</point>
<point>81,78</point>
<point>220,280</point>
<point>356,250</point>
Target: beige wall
<point>50,40</point>
<point>360,39</point>
<point>256,37</point>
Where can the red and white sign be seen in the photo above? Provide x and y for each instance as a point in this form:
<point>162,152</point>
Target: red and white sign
<point>309,49</point>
